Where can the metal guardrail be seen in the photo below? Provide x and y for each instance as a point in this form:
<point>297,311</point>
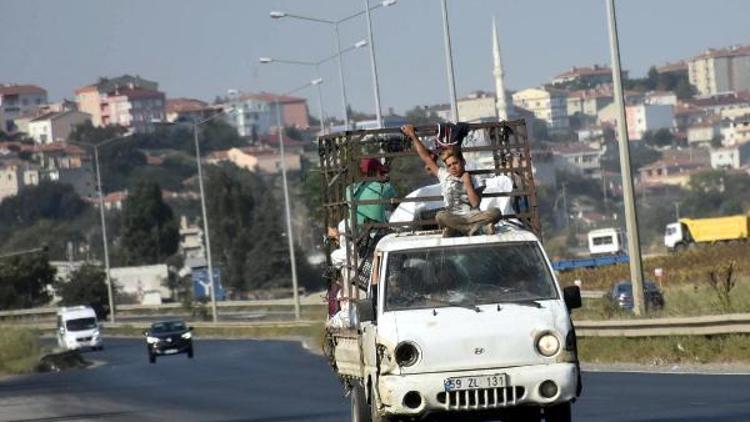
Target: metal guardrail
<point>196,324</point>
<point>657,327</point>
<point>691,326</point>
<point>52,310</point>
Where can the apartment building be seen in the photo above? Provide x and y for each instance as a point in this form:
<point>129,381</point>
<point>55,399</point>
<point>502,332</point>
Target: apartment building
<point>547,104</point>
<point>734,157</point>
<point>586,76</point>
<point>55,126</point>
<point>723,70</point>
<point>479,106</point>
<point>17,100</point>
<point>130,101</point>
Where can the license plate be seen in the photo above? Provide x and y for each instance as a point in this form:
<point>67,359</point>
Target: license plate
<point>170,351</point>
<point>475,382</point>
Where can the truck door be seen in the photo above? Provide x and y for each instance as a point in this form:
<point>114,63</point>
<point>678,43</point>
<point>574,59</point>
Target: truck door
<point>370,328</point>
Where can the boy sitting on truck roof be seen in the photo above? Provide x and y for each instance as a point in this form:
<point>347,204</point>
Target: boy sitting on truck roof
<point>461,198</point>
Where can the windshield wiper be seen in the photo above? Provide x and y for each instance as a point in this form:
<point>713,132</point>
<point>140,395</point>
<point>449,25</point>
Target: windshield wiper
<point>471,306</point>
<point>527,302</point>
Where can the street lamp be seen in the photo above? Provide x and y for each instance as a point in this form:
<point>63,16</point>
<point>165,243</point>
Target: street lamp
<point>335,24</point>
<point>287,210</point>
<point>449,62</point>
<point>110,293</point>
<point>267,60</point>
<point>209,261</point>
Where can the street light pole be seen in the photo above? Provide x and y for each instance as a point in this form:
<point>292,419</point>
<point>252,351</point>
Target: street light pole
<point>110,293</point>
<point>214,314</point>
<point>209,259</point>
<point>341,77</point>
<point>287,212</point>
<point>375,85</point>
<point>358,44</point>
<point>320,103</point>
<point>287,207</point>
<point>336,23</point>
<point>449,62</point>
<point>631,218</point>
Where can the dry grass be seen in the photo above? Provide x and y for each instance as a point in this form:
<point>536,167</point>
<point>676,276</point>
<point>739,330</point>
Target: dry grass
<point>689,299</point>
<point>666,350</point>
<point>690,267</point>
<point>19,350</point>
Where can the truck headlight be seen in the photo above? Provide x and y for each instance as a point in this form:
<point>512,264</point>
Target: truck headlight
<point>187,335</point>
<point>152,340</point>
<point>407,354</point>
<point>547,344</point>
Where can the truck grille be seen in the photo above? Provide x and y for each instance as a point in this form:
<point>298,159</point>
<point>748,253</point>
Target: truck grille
<point>84,339</point>
<point>485,398</point>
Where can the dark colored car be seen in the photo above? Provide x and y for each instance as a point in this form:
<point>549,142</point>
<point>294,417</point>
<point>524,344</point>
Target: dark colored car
<point>169,338</point>
<point>622,295</point>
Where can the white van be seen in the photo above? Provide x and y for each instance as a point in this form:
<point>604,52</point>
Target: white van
<point>77,327</point>
<point>609,241</point>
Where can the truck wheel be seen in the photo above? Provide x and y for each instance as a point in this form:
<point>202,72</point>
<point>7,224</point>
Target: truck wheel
<point>680,248</point>
<point>523,414</point>
<point>190,353</point>
<point>558,413</point>
<point>360,410</point>
<point>151,358</point>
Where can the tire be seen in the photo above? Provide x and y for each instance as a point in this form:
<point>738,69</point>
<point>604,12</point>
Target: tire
<point>558,413</point>
<point>190,353</point>
<point>523,414</point>
<point>151,358</point>
<point>360,409</point>
<point>680,248</point>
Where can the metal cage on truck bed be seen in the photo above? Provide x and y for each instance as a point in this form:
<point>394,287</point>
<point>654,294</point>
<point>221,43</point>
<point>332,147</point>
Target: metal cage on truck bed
<point>499,148</point>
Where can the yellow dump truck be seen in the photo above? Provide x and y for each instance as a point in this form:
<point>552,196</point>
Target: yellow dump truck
<point>687,231</point>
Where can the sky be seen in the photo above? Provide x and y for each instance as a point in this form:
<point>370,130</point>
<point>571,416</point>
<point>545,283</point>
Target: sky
<point>200,49</point>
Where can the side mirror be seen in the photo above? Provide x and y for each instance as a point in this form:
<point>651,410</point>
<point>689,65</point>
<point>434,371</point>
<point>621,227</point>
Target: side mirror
<point>365,310</point>
<point>145,333</point>
<point>190,328</point>
<point>572,297</point>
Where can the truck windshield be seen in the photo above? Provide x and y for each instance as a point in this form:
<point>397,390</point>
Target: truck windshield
<point>80,324</point>
<point>467,276</point>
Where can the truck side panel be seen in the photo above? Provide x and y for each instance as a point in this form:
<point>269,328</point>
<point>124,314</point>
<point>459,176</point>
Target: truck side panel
<point>718,229</point>
<point>347,353</point>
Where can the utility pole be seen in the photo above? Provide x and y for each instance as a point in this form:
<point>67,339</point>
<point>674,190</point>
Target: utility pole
<point>631,218</point>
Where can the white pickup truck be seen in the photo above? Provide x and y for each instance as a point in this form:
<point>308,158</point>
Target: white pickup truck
<point>461,328</point>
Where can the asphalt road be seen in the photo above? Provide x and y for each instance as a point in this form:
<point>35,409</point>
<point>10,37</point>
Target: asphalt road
<point>251,381</point>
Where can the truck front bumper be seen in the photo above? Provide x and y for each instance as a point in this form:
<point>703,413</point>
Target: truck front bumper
<point>420,394</point>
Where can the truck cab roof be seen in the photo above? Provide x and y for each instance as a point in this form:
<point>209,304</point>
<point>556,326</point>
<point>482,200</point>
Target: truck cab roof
<point>431,239</point>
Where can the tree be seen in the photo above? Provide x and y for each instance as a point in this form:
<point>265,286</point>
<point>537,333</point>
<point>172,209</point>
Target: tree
<point>24,280</point>
<point>47,200</point>
<point>293,133</point>
<point>150,232</point>
<point>660,138</point>
<point>419,116</point>
<point>87,133</point>
<point>247,233</point>
<point>87,286</point>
